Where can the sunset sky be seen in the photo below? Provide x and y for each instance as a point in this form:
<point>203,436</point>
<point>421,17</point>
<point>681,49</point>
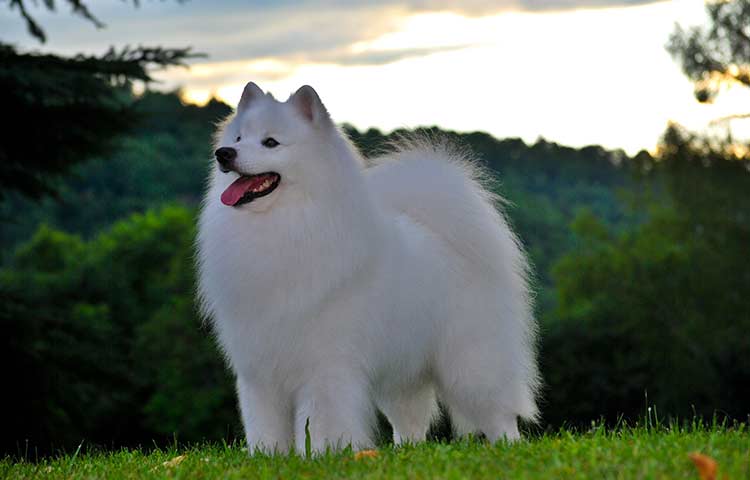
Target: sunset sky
<point>577,72</point>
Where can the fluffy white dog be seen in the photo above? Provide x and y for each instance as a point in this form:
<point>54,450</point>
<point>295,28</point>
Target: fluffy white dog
<point>336,288</point>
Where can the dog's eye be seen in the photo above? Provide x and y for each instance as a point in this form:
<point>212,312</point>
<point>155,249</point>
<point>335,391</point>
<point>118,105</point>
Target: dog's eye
<point>238,139</point>
<point>270,142</point>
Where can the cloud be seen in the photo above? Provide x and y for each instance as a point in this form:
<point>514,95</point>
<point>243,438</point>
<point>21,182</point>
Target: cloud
<point>382,57</point>
<point>323,31</point>
<point>319,32</point>
<point>466,7</point>
<point>269,40</point>
<point>557,5</point>
<point>307,31</point>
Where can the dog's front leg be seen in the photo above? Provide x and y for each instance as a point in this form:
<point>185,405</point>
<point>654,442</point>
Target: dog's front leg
<point>339,411</point>
<point>267,418</point>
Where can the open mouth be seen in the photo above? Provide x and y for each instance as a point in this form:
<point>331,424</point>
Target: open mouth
<point>249,187</point>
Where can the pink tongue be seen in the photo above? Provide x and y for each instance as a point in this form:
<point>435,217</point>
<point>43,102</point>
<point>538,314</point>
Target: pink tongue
<point>237,189</point>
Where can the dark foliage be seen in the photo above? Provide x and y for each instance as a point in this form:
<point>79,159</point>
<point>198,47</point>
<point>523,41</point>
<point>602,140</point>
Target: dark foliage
<point>103,342</point>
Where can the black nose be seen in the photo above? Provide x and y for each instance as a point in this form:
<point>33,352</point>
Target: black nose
<point>225,156</point>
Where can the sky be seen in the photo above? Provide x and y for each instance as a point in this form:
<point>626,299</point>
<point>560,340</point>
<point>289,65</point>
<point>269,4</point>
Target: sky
<point>577,72</point>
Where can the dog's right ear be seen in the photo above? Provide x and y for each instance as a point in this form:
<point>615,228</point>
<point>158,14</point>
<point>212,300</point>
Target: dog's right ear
<point>307,103</point>
<point>249,94</point>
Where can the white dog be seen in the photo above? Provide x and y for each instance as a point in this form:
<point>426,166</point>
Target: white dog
<point>336,289</point>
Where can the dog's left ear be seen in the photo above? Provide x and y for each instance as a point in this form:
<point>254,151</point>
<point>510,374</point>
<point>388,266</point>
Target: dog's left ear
<point>307,103</point>
<point>251,93</point>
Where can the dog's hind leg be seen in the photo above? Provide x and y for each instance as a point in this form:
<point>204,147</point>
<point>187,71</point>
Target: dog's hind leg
<point>410,413</point>
<point>339,411</point>
<point>481,389</point>
<point>474,409</point>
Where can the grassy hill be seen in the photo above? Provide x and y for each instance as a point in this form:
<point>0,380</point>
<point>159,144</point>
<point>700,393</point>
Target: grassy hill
<point>622,453</point>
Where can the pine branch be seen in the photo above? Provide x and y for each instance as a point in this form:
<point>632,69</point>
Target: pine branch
<point>118,66</point>
<point>78,7</point>
<point>35,30</point>
<point>82,10</point>
<point>66,110</point>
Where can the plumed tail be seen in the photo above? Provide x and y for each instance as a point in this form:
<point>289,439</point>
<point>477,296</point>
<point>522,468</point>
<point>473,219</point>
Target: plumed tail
<point>441,187</point>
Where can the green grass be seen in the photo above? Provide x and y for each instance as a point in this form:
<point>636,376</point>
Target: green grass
<point>628,453</point>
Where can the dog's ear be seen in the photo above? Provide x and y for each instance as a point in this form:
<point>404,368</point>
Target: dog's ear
<point>307,103</point>
<point>249,94</point>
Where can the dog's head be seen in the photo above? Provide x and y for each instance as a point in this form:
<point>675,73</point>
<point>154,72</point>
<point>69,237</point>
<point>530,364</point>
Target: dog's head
<point>270,146</point>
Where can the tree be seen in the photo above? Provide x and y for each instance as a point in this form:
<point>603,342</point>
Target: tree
<point>659,309</point>
<point>77,7</point>
<point>718,54</point>
<point>102,342</point>
<point>61,111</point>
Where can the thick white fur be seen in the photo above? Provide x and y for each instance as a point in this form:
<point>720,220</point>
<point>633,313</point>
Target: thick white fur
<point>350,288</point>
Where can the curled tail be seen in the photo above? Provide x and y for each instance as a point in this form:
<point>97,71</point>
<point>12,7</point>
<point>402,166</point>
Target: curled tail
<point>439,186</point>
